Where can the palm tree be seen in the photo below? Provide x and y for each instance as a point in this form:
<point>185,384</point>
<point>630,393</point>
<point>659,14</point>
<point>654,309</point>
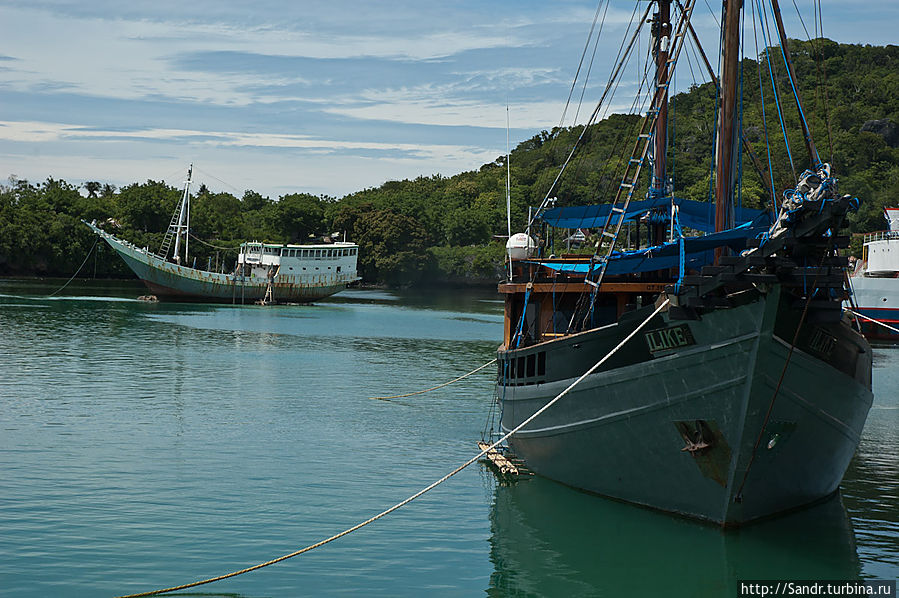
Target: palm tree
<point>92,188</point>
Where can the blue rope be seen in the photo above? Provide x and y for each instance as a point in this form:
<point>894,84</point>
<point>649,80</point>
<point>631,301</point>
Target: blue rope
<point>763,14</point>
<point>524,311</point>
<point>554,305</point>
<point>764,117</point>
<point>673,123</point>
<point>711,197</point>
<point>683,253</point>
<point>796,94</point>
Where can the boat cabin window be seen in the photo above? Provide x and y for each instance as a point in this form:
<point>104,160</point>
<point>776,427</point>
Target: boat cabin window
<point>523,370</point>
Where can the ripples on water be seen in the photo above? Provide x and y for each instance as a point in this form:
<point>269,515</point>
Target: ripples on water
<point>146,445</point>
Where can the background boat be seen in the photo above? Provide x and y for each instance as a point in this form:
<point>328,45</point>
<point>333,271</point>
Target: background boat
<point>263,272</point>
<point>875,282</point>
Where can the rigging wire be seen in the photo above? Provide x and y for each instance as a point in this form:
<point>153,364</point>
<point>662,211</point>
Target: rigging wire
<point>216,178</point>
<point>230,249</point>
<point>617,148</point>
<point>712,12</point>
<point>766,37</point>
<point>820,71</point>
<point>614,75</point>
<point>590,66</point>
<point>823,64</point>
<point>625,60</point>
<point>806,130</point>
<point>581,62</point>
<point>758,65</point>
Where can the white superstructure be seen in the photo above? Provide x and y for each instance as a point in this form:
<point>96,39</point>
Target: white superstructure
<point>300,264</point>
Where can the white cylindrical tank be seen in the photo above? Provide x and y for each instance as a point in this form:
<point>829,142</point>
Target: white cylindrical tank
<point>520,246</point>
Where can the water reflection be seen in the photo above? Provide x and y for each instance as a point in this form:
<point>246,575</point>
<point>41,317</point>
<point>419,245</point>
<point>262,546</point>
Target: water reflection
<point>550,540</point>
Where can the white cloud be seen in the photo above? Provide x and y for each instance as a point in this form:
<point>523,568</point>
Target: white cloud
<point>312,162</point>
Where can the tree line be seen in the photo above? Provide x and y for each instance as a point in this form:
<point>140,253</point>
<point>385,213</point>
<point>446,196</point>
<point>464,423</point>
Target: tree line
<point>437,228</point>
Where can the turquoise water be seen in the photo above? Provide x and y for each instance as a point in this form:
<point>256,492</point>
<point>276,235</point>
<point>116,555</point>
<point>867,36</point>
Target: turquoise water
<point>147,445</point>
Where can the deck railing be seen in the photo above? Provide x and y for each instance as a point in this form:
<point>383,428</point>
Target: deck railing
<point>883,235</point>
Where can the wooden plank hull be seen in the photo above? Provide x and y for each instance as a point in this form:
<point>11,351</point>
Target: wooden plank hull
<point>674,425</point>
<point>172,282</point>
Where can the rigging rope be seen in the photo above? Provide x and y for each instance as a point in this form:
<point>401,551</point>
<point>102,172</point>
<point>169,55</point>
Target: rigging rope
<point>766,34</point>
<point>421,392</point>
<point>596,111</point>
<point>820,71</point>
<point>738,496</point>
<point>232,249</point>
<point>216,178</point>
<point>764,117</point>
<point>783,53</point>
<point>91,250</point>
<point>577,73</point>
<point>431,486</point>
<point>590,66</point>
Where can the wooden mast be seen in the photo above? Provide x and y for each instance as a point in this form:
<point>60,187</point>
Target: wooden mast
<point>728,119</point>
<point>662,40</point>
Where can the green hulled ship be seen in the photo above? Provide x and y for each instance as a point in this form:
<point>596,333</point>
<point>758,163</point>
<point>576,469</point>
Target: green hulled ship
<point>263,272</point>
<point>745,396</point>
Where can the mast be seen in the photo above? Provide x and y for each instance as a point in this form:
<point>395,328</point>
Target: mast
<point>183,219</point>
<point>785,48</point>
<point>508,194</point>
<point>728,119</point>
<point>661,34</point>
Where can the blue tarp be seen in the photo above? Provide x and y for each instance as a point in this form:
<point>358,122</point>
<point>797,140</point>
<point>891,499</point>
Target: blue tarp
<point>699,251</point>
<point>691,214</point>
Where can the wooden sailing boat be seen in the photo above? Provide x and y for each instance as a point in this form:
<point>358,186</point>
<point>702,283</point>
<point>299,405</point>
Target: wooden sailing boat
<point>745,397</point>
<point>264,272</point>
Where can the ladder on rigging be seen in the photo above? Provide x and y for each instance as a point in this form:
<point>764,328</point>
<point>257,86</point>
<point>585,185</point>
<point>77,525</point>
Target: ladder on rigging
<point>170,233</point>
<point>630,178</point>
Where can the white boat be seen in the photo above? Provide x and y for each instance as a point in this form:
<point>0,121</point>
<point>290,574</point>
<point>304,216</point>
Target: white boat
<point>264,272</point>
<point>875,282</point>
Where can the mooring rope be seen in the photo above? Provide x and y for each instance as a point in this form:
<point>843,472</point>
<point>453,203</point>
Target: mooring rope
<point>421,392</point>
<point>423,490</point>
<point>90,251</point>
<point>858,315</point>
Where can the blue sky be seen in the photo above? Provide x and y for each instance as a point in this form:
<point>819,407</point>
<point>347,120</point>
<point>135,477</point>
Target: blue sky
<point>317,97</point>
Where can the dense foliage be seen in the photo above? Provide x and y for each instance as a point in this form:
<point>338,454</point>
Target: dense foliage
<point>446,228</point>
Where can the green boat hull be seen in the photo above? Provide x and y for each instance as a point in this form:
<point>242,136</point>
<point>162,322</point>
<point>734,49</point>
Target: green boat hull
<point>173,282</point>
<point>679,421</point>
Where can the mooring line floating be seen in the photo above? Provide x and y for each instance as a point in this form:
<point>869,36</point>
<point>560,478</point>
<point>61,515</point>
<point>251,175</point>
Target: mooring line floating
<point>428,488</point>
<point>78,271</point>
<point>421,392</point>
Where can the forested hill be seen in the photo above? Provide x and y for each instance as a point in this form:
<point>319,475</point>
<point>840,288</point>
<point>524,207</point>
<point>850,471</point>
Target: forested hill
<point>441,228</point>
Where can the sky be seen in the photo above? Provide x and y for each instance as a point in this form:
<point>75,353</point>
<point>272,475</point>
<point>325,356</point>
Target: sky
<point>315,97</point>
